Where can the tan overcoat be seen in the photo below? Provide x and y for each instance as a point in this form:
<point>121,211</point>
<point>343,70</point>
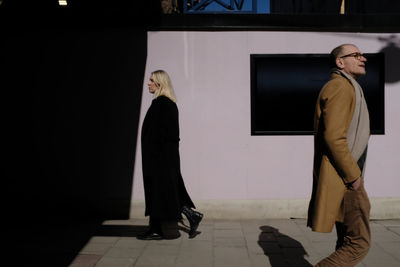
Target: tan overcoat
<point>334,166</point>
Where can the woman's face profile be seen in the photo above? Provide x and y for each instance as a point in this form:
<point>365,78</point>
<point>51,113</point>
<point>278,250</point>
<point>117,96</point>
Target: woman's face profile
<point>152,85</point>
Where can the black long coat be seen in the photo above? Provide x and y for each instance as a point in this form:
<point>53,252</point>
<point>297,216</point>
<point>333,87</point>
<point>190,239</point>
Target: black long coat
<point>165,192</point>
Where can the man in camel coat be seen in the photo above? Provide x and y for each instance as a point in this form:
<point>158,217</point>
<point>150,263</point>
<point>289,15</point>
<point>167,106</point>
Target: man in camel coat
<point>341,133</point>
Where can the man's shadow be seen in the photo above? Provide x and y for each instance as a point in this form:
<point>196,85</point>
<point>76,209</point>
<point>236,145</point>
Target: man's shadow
<point>281,249</point>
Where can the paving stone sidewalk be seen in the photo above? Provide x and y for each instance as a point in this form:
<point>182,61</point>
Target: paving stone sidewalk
<point>271,242</point>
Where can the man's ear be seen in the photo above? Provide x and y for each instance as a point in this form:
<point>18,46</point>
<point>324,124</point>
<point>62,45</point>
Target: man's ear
<point>339,63</point>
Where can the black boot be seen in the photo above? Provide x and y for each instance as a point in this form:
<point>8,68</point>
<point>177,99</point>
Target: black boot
<point>154,232</point>
<point>194,219</point>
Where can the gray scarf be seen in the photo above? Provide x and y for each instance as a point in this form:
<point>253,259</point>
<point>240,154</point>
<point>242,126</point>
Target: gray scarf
<point>359,131</point>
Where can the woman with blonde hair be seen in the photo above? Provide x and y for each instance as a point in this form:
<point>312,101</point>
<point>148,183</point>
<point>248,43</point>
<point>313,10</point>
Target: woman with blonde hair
<point>166,197</point>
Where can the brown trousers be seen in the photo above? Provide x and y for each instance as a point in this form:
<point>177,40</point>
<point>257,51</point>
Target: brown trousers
<point>354,235</point>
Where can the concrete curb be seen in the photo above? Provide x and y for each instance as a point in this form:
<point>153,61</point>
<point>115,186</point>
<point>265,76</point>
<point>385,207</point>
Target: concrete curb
<point>381,208</point>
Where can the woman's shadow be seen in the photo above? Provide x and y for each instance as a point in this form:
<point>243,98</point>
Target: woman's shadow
<point>281,249</point>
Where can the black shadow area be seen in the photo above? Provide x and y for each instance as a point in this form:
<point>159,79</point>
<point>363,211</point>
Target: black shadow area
<point>281,250</point>
<point>70,110</point>
<point>392,58</point>
<point>59,243</point>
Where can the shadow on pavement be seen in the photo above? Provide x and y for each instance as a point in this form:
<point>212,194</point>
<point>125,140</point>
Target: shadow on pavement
<point>58,241</point>
<point>281,249</point>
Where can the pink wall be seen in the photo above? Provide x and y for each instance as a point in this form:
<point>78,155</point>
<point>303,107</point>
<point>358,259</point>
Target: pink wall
<point>220,159</point>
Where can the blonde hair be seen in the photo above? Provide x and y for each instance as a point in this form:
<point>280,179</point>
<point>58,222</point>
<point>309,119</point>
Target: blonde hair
<point>164,84</point>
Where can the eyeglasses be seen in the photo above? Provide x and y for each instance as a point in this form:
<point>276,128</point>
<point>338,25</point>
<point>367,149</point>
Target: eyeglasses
<point>356,55</point>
